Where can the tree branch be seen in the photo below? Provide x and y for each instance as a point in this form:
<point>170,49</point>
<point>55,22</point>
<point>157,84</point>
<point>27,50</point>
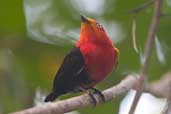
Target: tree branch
<point>147,54</point>
<point>159,88</point>
<point>83,100</point>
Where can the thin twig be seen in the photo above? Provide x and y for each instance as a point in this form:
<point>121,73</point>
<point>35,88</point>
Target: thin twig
<point>134,33</point>
<point>147,54</point>
<point>151,36</point>
<point>166,15</point>
<point>141,7</point>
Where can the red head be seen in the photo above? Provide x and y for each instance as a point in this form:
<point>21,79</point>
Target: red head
<point>92,31</point>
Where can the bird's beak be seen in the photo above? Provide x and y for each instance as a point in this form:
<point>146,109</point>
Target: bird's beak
<point>84,19</point>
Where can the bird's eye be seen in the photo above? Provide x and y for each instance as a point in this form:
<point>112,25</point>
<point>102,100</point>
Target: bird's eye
<point>99,26</point>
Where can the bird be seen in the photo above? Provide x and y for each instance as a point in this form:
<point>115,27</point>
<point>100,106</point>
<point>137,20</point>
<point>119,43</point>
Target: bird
<point>90,61</point>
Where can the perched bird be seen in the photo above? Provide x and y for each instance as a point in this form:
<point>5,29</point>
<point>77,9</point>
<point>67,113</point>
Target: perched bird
<point>89,62</point>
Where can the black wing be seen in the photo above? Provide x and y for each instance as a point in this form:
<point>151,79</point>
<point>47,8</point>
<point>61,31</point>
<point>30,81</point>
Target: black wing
<point>71,73</point>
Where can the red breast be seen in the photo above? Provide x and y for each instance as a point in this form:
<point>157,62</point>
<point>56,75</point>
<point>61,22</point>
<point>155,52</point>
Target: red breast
<point>99,60</point>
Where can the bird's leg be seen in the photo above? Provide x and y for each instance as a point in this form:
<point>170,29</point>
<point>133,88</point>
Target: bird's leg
<point>99,93</point>
<point>90,94</point>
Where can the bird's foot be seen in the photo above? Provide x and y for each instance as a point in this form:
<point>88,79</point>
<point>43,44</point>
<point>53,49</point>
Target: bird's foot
<point>96,91</point>
<point>94,101</point>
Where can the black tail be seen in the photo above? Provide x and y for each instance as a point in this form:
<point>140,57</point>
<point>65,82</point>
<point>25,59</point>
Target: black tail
<point>51,97</point>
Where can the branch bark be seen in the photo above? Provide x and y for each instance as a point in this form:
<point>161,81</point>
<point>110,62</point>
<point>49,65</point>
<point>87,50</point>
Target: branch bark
<point>162,87</point>
<point>159,88</point>
<point>83,100</point>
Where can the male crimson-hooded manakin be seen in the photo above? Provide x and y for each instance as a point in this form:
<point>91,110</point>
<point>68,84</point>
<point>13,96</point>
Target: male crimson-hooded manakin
<point>89,62</point>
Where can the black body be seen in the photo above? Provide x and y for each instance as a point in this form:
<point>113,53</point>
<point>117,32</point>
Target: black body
<point>70,75</point>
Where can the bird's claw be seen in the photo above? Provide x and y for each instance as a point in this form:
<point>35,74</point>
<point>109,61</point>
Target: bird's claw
<point>96,91</point>
<point>93,99</point>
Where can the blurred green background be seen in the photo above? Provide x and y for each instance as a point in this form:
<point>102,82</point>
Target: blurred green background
<point>36,35</point>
